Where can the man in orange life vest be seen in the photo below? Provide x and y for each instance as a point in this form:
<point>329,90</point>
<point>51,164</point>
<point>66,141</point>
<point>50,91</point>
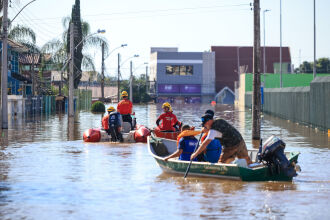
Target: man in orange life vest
<point>169,120</point>
<point>125,107</point>
<point>105,120</point>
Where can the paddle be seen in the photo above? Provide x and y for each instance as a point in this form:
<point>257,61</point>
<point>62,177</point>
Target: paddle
<point>197,145</point>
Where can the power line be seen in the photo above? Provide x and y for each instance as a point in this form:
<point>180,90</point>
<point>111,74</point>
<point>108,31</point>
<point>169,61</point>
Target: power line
<point>153,11</point>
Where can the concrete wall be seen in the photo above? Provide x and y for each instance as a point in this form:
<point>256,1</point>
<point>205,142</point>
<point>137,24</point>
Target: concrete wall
<point>306,105</point>
<point>208,83</point>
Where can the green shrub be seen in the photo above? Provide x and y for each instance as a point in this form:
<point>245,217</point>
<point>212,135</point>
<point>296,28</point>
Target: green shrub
<point>98,107</point>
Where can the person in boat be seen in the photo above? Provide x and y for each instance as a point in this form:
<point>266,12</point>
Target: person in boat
<point>115,122</point>
<point>232,142</point>
<point>212,151</point>
<point>186,145</point>
<point>105,121</point>
<point>125,108</point>
<point>169,122</point>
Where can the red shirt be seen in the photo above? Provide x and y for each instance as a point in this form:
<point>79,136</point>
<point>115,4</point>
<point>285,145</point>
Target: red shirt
<point>168,120</point>
<point>105,122</point>
<point>124,107</point>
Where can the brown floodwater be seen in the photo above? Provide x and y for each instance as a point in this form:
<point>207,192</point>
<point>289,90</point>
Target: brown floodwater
<point>48,172</point>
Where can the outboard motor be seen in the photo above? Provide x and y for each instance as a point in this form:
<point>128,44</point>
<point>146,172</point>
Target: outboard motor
<point>273,154</point>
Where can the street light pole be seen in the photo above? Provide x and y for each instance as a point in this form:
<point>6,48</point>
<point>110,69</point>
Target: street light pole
<point>265,40</point>
<point>314,66</point>
<point>4,72</point>
<point>71,84</point>
<point>131,82</point>
<point>281,80</point>
<point>102,73</point>
<point>118,80</point>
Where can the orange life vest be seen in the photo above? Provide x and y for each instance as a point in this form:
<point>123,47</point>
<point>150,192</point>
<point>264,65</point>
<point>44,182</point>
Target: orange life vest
<point>185,134</point>
<point>105,122</point>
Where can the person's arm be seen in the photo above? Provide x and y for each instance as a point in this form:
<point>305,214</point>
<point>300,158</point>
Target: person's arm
<point>211,135</point>
<point>131,107</point>
<point>157,122</point>
<point>159,119</point>
<point>120,120</point>
<point>177,153</point>
<point>201,148</point>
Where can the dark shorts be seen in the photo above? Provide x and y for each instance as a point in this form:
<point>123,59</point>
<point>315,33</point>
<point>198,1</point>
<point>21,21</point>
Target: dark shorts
<point>240,151</point>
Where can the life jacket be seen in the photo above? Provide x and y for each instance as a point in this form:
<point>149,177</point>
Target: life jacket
<point>105,122</point>
<point>230,136</point>
<point>213,151</point>
<point>114,119</point>
<point>189,147</point>
<point>186,133</point>
<point>124,107</point>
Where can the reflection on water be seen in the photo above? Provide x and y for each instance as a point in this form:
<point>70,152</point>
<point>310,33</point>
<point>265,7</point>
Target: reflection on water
<point>46,170</point>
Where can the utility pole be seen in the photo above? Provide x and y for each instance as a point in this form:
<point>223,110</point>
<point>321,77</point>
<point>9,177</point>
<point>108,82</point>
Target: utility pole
<point>256,102</point>
<point>265,41</point>
<point>102,73</point>
<point>4,72</point>
<point>146,78</point>
<point>118,81</point>
<point>33,76</point>
<point>71,74</point>
<point>131,82</point>
<point>314,66</point>
<point>281,80</point>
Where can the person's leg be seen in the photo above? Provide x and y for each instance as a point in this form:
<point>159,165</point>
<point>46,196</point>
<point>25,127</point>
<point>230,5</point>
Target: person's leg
<point>119,135</point>
<point>113,134</point>
<point>242,152</point>
<point>228,155</point>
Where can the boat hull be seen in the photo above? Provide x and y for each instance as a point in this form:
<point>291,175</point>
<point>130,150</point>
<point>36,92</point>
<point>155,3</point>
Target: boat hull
<point>167,135</point>
<point>219,170</point>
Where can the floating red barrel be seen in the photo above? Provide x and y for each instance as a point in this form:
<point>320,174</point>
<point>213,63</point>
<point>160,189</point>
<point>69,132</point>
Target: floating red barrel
<point>92,135</point>
<point>141,134</point>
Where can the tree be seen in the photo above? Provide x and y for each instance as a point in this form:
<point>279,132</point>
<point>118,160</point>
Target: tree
<point>59,48</point>
<point>139,89</point>
<point>306,67</point>
<point>323,65</point>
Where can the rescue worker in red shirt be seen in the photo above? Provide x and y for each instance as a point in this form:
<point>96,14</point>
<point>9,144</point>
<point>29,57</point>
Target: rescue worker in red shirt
<point>125,108</point>
<point>169,120</point>
<point>105,119</point>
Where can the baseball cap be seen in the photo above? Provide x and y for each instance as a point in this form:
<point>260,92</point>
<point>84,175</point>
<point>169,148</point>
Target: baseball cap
<point>205,118</point>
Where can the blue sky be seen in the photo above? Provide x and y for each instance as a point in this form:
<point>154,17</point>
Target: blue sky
<point>191,25</point>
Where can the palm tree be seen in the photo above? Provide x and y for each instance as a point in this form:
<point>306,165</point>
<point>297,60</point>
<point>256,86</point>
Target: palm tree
<point>58,47</point>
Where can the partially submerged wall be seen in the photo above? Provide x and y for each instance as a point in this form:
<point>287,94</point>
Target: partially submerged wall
<point>306,105</point>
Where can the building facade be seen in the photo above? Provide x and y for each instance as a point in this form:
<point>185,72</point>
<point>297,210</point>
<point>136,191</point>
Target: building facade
<point>181,77</point>
<point>230,61</point>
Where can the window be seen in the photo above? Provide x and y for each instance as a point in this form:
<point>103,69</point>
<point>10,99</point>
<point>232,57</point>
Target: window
<point>181,70</point>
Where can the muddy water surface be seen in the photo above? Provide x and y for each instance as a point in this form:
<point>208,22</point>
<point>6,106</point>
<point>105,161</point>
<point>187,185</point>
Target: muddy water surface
<point>47,172</point>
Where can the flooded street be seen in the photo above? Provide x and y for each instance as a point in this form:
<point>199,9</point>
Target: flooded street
<point>48,172</point>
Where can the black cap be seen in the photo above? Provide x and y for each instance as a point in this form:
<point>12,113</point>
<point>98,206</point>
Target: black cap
<point>210,112</point>
<point>206,118</point>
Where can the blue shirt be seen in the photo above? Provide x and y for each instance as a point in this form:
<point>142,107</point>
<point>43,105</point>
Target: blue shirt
<point>188,145</point>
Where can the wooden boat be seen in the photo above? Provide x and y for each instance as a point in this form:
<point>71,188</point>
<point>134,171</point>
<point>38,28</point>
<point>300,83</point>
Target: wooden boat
<point>160,147</point>
<point>168,135</point>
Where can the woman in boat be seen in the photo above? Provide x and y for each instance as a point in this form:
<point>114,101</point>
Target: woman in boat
<point>186,145</point>
<point>169,121</point>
